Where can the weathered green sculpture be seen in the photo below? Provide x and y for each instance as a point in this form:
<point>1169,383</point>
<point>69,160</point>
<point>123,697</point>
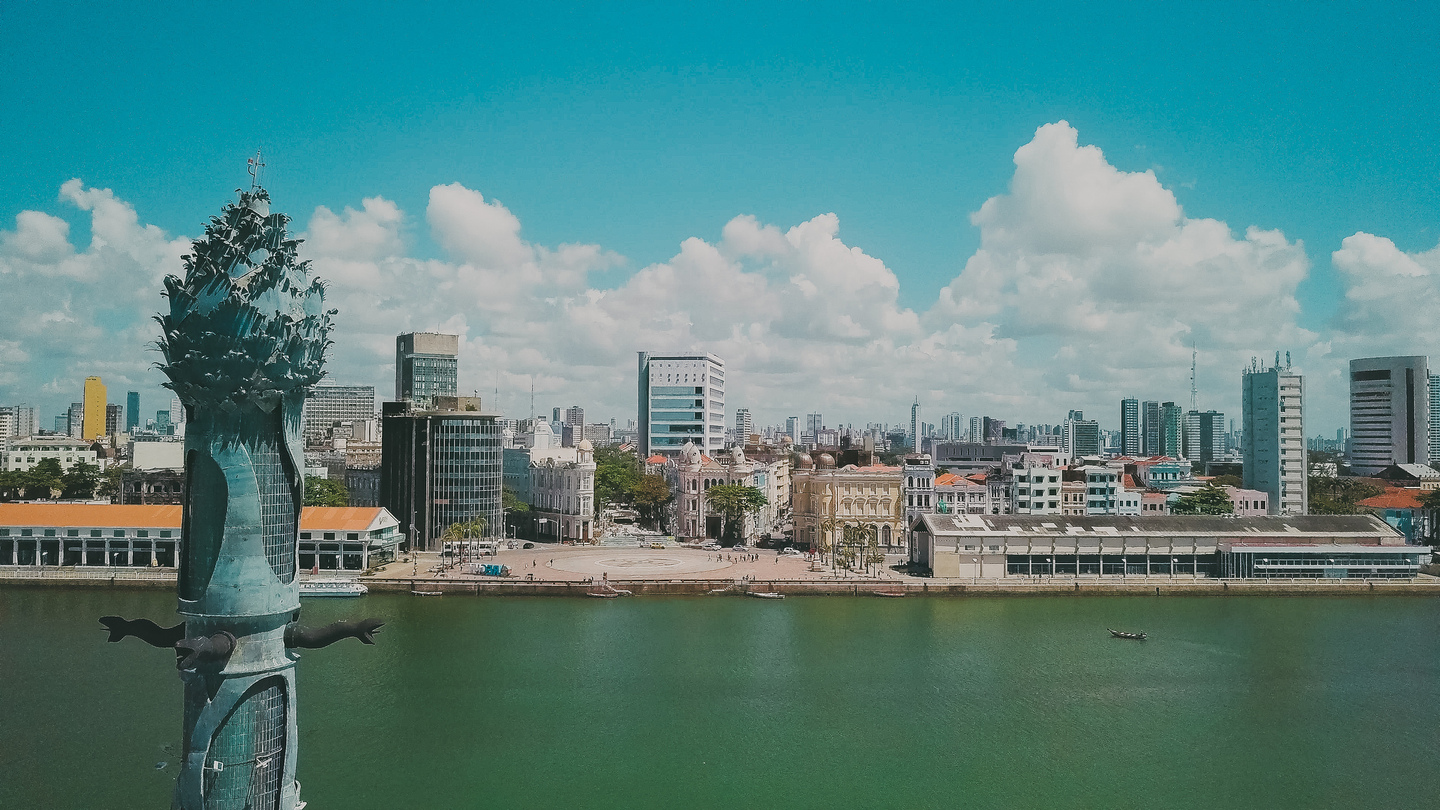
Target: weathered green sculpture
<point>243,342</point>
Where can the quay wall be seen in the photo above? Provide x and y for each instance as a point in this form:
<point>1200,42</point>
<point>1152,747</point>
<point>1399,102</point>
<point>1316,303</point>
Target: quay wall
<point>157,580</point>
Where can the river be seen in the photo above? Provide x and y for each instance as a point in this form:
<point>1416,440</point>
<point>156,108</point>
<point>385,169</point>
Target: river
<point>724,702</point>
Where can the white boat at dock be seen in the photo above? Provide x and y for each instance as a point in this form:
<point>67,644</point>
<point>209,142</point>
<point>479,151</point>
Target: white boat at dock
<point>332,587</point>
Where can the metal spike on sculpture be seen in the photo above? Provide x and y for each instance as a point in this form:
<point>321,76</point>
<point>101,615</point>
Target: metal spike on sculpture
<point>243,342</point>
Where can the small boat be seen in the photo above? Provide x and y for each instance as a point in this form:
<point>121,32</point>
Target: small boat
<point>892,594</point>
<point>426,593</point>
<point>1131,636</point>
<point>332,587</point>
<point>602,594</point>
<point>762,595</point>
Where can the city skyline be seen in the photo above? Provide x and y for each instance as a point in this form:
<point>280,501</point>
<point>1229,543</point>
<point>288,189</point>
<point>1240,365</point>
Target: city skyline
<point>999,254</point>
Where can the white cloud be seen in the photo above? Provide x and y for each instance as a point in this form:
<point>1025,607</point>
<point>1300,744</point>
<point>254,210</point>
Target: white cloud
<point>1091,283</point>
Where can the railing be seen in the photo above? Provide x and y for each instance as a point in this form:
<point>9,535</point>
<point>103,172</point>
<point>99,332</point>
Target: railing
<point>88,572</point>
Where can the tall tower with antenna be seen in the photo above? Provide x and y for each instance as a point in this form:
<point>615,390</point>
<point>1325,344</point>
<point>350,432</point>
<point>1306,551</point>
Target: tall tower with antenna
<point>1194,390</point>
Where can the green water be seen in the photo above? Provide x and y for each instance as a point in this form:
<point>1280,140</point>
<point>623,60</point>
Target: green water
<point>733,703</point>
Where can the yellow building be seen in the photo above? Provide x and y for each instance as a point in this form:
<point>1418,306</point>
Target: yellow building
<point>93,426</point>
<point>826,499</point>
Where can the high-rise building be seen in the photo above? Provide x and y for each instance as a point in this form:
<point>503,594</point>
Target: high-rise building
<point>1171,441</point>
<point>915,427</point>
<point>1273,424</point>
<point>1434,420</point>
<point>177,412</point>
<point>977,430</point>
<point>792,428</point>
<point>681,399</point>
<point>426,366</point>
<point>75,422</point>
<point>1389,412</point>
<point>328,404</point>
<point>114,420</point>
<point>162,423</point>
<point>132,411</point>
<point>813,425</point>
<point>22,421</point>
<point>952,426</point>
<point>1130,444</point>
<point>1082,436</point>
<point>441,466</point>
<point>1150,428</point>
<point>1204,436</point>
<point>744,425</point>
<point>93,413</point>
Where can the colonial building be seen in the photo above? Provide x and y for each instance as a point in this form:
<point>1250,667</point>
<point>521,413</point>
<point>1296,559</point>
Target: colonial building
<point>693,473</point>
<point>955,494</point>
<point>827,498</point>
<point>557,482</point>
<point>26,453</point>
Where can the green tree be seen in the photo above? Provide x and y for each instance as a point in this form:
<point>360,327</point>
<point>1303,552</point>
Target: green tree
<point>80,481</point>
<point>325,492</point>
<point>1431,499</point>
<point>1227,481</point>
<point>650,494</point>
<point>732,502</point>
<point>110,484</point>
<point>1338,496</point>
<point>43,480</point>
<point>1211,500</point>
<point>12,484</point>
<point>511,502</point>
<point>616,472</point>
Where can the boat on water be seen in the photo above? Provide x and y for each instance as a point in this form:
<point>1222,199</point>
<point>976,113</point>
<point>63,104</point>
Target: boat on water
<point>332,587</point>
<point>763,595</point>
<point>1131,636</point>
<point>602,594</point>
<point>427,593</point>
<point>891,594</point>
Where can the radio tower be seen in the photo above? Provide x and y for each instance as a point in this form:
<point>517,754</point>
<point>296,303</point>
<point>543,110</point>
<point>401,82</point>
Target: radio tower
<point>1194,392</point>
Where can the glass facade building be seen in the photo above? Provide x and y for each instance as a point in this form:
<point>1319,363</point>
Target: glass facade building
<point>681,399</point>
<point>426,366</point>
<point>439,468</point>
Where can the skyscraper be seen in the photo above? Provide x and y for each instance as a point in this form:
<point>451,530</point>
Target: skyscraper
<point>1171,441</point>
<point>813,425</point>
<point>915,426</point>
<point>1273,424</point>
<point>792,428</point>
<point>1082,436</point>
<point>132,411</point>
<point>22,420</point>
<point>93,414</point>
<point>426,366</point>
<point>1150,428</point>
<point>977,429</point>
<point>1389,412</point>
<point>1434,419</point>
<point>744,425</point>
<point>574,416</point>
<point>952,426</point>
<point>681,399</point>
<point>1130,427</point>
<point>114,420</point>
<point>1204,436</point>
<point>75,421</point>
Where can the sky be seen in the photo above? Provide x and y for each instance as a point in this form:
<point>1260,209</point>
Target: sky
<point>1010,210</point>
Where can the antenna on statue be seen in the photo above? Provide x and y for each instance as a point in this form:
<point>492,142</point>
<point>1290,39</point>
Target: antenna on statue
<point>256,167</point>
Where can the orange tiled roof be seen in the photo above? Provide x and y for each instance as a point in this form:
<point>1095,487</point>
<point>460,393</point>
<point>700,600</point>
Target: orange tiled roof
<point>339,518</point>
<point>1394,499</point>
<point>104,515</point>
<point>946,479</point>
<point>89,515</point>
<point>656,459</point>
<point>1129,481</point>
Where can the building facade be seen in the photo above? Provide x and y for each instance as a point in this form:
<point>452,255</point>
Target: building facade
<point>1035,489</point>
<point>919,487</point>
<point>26,453</point>
<point>1275,456</point>
<point>426,367</point>
<point>1204,436</point>
<point>132,412</point>
<point>681,400</point>
<point>826,499</point>
<point>1130,443</point>
<point>328,404</point>
<point>693,473</point>
<point>1389,412</point>
<point>440,467</point>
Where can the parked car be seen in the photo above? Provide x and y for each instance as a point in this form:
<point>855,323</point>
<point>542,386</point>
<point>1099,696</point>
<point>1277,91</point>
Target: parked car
<point>790,551</point>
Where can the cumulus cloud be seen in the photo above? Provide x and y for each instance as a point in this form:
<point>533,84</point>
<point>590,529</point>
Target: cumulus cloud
<point>1090,283</point>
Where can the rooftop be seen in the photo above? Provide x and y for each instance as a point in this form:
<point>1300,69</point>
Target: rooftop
<point>104,516</point>
<point>1295,527</point>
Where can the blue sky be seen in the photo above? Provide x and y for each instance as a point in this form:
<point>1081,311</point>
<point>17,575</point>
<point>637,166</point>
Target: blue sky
<point>634,127</point>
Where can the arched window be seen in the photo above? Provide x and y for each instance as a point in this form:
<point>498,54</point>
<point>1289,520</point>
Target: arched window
<point>885,535</point>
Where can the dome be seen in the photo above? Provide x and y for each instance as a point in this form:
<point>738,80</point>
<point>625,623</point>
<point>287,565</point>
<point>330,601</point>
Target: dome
<point>585,446</point>
<point>827,461</point>
<point>737,454</point>
<point>804,462</point>
<point>690,454</point>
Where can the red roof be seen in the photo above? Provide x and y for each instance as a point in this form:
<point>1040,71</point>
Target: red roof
<point>1394,499</point>
<point>946,479</point>
<point>656,459</point>
<point>106,516</point>
<point>1128,480</point>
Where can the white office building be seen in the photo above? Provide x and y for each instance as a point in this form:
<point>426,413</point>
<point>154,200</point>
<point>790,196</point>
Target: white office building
<point>1389,412</point>
<point>681,399</point>
<point>328,404</point>
<point>1275,459</point>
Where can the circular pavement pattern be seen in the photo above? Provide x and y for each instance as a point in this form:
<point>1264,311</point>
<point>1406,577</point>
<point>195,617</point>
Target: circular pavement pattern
<point>641,563</point>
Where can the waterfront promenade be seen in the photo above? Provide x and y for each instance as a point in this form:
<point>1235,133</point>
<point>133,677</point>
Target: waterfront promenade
<point>550,570</point>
